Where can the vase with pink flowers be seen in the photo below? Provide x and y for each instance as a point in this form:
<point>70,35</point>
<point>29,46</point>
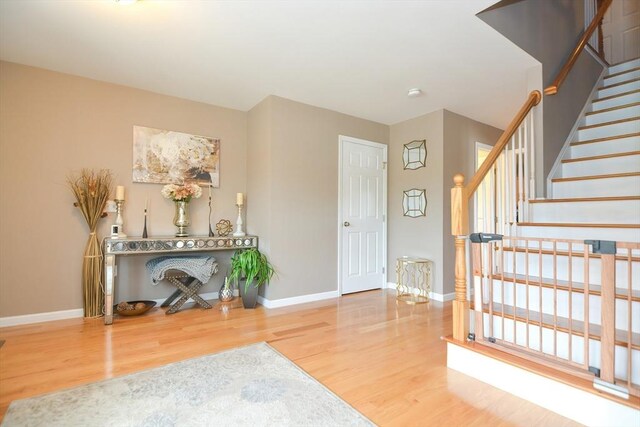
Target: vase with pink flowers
<point>181,195</point>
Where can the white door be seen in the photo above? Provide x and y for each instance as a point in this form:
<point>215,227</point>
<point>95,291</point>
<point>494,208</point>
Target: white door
<point>621,31</point>
<point>362,217</point>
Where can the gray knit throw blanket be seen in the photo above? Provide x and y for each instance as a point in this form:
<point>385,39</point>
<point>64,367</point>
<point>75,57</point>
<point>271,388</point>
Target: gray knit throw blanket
<point>201,267</point>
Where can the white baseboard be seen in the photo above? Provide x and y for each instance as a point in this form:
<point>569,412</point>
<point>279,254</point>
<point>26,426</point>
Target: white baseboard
<point>27,319</point>
<point>40,317</point>
<point>432,295</point>
<point>283,302</point>
<point>576,404</point>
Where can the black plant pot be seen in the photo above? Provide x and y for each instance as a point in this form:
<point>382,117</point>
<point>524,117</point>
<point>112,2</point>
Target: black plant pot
<point>250,297</point>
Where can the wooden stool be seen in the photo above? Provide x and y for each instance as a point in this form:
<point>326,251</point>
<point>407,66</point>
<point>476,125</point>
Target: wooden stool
<point>187,288</point>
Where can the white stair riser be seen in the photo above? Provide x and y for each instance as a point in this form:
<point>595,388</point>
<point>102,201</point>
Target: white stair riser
<point>621,164</point>
<point>629,75</point>
<point>609,130</point>
<point>622,145</point>
<point>505,294</point>
<point>581,233</point>
<point>609,116</point>
<point>606,212</point>
<point>561,268</point>
<point>561,345</point>
<point>625,186</point>
<point>615,102</point>
<point>626,87</point>
<point>624,66</point>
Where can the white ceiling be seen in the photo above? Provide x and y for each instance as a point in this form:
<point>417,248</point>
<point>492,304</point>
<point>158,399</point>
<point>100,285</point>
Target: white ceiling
<point>356,57</point>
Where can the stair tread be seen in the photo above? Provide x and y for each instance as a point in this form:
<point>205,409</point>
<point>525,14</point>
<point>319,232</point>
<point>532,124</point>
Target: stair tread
<point>617,95</point>
<point>617,107</point>
<point>619,83</point>
<point>601,156</point>
<point>606,138</point>
<point>576,224</point>
<point>613,122</point>
<point>563,285</point>
<point>586,199</point>
<point>604,176</point>
<point>619,73</point>
<point>562,324</point>
<point>535,251</point>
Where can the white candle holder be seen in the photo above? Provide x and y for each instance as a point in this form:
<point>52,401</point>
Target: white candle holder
<point>239,232</point>
<point>119,221</point>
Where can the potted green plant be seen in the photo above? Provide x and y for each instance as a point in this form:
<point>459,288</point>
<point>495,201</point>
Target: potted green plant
<point>254,268</point>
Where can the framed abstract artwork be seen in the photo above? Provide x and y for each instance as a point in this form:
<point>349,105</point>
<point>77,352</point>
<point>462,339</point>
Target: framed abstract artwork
<point>169,157</point>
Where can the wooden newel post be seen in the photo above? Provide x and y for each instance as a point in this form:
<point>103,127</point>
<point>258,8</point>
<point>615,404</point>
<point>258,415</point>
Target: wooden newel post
<point>460,230</point>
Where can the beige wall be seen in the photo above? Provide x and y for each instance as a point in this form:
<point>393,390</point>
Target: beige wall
<point>451,142</point>
<point>460,137</point>
<point>282,153</point>
<point>421,236</point>
<point>52,124</point>
<point>301,232</point>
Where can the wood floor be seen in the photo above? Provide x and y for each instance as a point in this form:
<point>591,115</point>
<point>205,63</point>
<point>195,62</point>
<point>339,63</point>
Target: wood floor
<point>383,357</point>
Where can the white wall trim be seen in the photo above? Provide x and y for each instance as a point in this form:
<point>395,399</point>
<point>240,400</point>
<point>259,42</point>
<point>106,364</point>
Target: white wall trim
<point>576,404</point>
<point>432,295</point>
<point>26,319</point>
<point>74,313</point>
<point>385,149</point>
<point>556,169</point>
<point>283,302</point>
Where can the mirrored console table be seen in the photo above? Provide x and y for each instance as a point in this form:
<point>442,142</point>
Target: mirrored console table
<point>113,247</point>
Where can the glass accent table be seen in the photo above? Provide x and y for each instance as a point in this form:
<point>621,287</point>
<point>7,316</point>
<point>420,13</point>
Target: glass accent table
<point>413,279</point>
<point>113,247</point>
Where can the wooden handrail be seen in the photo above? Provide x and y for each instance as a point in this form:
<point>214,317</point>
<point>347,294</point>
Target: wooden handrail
<point>533,100</point>
<point>566,68</point>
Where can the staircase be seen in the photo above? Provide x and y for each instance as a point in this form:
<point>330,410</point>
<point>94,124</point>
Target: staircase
<point>597,192</point>
<point>552,298</point>
<point>540,289</point>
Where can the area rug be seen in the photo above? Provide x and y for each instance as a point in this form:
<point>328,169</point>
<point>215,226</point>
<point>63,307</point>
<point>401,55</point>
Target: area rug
<point>253,385</point>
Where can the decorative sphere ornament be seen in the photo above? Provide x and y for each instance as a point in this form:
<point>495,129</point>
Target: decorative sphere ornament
<point>224,227</point>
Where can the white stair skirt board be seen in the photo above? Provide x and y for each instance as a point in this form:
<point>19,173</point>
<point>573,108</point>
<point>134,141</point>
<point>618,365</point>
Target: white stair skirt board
<point>600,187</point>
<point>581,233</point>
<point>612,115</point>
<point>578,405</point>
<point>606,212</point>
<point>283,302</point>
<point>432,295</point>
<point>626,86</point>
<point>75,313</point>
<point>608,130</point>
<point>628,75</point>
<point>616,101</point>
<point>624,66</point>
<point>618,145</point>
<point>621,164</point>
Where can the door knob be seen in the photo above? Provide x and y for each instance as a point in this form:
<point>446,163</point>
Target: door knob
<point>346,223</point>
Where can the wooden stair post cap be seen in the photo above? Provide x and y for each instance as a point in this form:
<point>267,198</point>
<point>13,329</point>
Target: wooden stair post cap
<point>458,180</point>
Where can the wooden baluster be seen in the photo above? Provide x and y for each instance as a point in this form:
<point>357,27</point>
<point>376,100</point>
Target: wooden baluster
<point>460,229</point>
<point>607,302</point>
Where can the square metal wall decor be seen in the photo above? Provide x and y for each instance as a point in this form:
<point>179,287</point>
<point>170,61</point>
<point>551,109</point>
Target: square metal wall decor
<point>414,203</point>
<point>414,154</point>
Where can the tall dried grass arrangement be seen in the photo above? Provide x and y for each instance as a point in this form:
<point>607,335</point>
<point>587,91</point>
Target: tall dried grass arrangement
<point>92,190</point>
